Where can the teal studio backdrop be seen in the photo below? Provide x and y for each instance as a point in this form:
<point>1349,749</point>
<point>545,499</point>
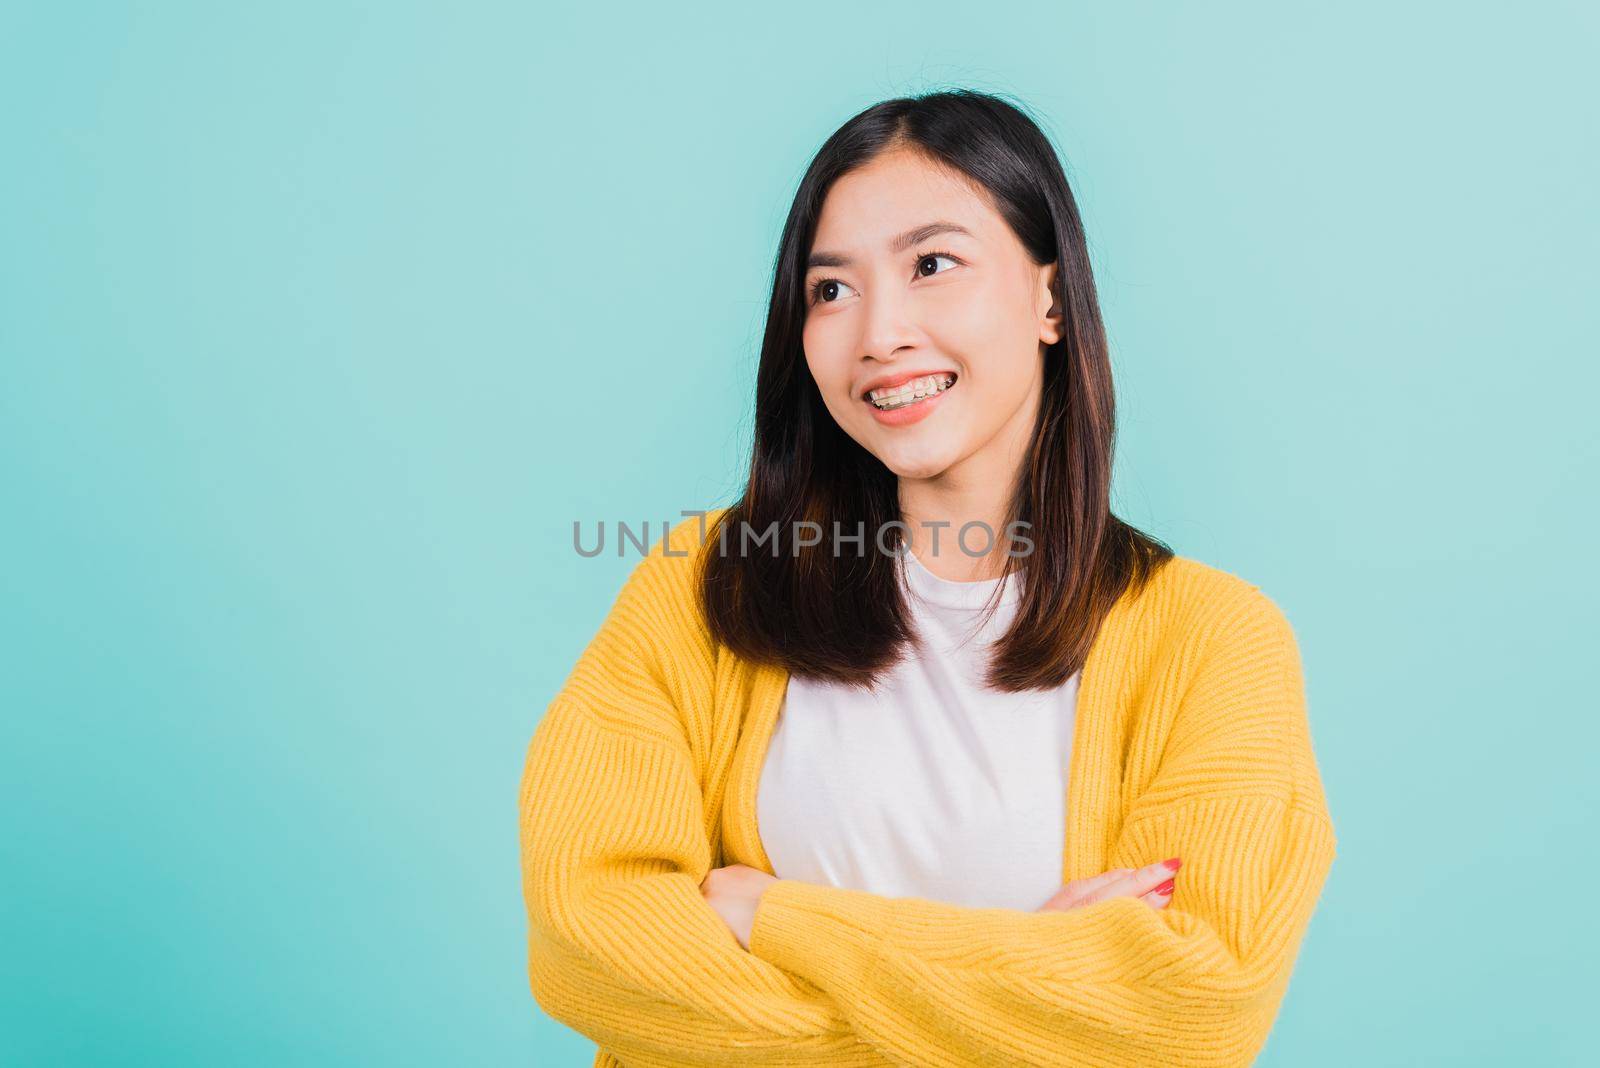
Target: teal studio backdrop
<point>321,324</point>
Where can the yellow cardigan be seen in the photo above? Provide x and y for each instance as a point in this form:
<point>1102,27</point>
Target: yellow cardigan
<point>1191,740</point>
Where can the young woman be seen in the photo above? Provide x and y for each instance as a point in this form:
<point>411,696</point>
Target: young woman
<point>896,759</point>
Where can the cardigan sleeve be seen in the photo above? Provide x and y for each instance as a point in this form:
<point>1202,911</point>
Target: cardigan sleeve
<point>622,945</point>
<point>1236,795</point>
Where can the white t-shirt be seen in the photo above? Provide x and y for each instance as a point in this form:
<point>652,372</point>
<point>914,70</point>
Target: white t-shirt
<point>938,787</point>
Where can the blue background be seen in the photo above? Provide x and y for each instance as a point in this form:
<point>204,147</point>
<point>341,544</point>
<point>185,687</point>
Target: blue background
<point>320,325</point>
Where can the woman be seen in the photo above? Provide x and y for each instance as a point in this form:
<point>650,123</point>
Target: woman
<point>976,720</point>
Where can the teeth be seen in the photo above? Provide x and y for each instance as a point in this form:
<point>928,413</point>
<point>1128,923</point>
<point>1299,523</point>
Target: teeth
<point>910,392</point>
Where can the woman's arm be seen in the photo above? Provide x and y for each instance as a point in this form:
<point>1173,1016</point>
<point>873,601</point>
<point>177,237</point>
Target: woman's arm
<point>622,945</point>
<point>1237,796</point>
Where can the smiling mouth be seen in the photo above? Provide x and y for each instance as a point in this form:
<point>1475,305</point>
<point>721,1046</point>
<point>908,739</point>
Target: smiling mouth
<point>908,393</point>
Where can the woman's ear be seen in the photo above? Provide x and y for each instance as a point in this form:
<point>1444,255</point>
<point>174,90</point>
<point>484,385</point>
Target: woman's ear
<point>1053,326</point>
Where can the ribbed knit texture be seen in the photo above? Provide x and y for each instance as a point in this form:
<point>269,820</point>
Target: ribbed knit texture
<point>1191,740</point>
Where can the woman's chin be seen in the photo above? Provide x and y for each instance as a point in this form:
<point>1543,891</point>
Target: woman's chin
<point>918,463</point>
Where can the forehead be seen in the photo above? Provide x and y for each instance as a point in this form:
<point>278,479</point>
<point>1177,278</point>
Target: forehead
<point>899,190</point>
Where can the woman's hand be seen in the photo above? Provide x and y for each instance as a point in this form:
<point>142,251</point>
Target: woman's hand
<point>1152,884</point>
<point>735,891</point>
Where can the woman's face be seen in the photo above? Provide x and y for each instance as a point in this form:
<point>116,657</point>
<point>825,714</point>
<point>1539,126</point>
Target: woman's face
<point>887,304</point>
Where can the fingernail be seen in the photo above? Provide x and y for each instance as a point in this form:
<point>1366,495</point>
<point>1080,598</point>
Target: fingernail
<point>1164,888</point>
<point>1173,864</point>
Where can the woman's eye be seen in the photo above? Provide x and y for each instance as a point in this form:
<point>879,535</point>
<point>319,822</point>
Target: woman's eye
<point>825,290</point>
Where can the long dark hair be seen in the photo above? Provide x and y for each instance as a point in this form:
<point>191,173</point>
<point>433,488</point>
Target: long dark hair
<point>841,616</point>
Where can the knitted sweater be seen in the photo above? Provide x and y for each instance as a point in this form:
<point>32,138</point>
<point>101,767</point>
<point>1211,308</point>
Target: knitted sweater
<point>1191,740</point>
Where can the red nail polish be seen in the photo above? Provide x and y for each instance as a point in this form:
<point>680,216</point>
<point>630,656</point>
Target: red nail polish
<point>1164,888</point>
<point>1174,864</point>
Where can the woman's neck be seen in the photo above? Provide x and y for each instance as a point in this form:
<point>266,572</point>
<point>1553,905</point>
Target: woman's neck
<point>937,509</point>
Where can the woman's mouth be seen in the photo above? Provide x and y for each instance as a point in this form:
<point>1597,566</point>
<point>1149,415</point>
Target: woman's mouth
<point>908,393</point>
<point>909,401</point>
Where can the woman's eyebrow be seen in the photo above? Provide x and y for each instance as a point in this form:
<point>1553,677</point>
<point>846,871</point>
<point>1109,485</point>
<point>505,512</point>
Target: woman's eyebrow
<point>904,241</point>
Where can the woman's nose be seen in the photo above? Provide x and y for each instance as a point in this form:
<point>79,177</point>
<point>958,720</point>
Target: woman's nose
<point>888,327</point>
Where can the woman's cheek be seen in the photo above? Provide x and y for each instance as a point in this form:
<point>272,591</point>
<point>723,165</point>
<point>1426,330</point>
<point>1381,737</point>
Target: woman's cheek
<point>831,372</point>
